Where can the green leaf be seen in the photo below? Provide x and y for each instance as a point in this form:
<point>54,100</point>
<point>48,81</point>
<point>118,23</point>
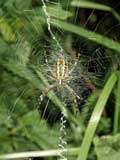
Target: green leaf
<point>117,108</point>
<point>96,115</point>
<point>90,5</point>
<point>95,37</point>
<point>54,11</point>
<point>107,147</point>
<point>95,5</point>
<point>22,5</point>
<point>6,31</point>
<point>4,112</point>
<point>22,51</point>
<point>57,11</point>
<point>38,131</point>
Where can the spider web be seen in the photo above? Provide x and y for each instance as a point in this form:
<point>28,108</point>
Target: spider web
<point>93,64</point>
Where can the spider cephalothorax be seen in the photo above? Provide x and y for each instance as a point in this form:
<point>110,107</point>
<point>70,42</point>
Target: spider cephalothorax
<point>62,73</point>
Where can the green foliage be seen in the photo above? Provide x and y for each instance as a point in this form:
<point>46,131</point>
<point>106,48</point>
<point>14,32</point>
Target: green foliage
<point>6,30</point>
<point>93,5</point>
<point>57,11</point>
<point>117,108</point>
<point>107,147</point>
<point>95,37</point>
<point>96,115</point>
<point>24,42</point>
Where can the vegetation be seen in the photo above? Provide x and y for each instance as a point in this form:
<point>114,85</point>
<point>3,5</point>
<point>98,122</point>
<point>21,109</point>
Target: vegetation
<point>88,32</point>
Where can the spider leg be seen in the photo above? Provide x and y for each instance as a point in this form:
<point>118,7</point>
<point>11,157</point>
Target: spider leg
<point>75,97</point>
<point>74,65</point>
<point>45,92</point>
<point>51,77</point>
<point>72,91</point>
<point>46,61</point>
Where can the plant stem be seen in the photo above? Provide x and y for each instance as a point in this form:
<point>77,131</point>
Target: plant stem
<point>117,109</point>
<point>48,153</point>
<point>96,115</point>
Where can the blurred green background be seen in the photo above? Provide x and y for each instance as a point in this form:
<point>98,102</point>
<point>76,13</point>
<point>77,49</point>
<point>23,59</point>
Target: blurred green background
<point>90,28</point>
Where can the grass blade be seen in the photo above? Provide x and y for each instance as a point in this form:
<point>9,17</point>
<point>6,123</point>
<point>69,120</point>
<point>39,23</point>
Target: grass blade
<point>117,109</point>
<point>97,6</point>
<point>48,153</point>
<point>95,37</point>
<point>96,115</point>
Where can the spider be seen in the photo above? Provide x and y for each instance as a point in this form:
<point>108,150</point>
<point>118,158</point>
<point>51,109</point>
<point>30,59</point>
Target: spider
<point>61,76</point>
